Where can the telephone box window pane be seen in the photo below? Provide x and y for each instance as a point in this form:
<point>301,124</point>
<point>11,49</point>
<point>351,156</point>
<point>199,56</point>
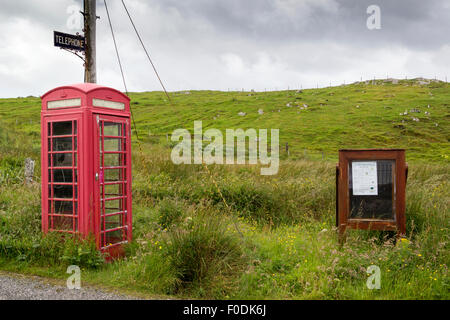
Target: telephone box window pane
<point>62,160</point>
<point>62,128</point>
<point>108,104</point>
<point>64,103</point>
<point>112,205</point>
<point>112,129</point>
<point>63,175</point>
<point>63,207</point>
<point>112,175</point>
<point>112,222</point>
<point>63,223</point>
<point>377,201</point>
<point>62,144</point>
<point>112,159</point>
<point>62,191</point>
<point>113,144</point>
<point>114,237</point>
<point>112,190</point>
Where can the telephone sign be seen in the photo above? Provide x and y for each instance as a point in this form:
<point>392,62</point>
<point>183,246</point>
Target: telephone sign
<point>69,41</point>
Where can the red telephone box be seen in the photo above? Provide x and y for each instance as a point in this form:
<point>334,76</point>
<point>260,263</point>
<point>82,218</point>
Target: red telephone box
<point>86,163</point>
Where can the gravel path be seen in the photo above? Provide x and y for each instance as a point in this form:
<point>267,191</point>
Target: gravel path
<point>18,287</point>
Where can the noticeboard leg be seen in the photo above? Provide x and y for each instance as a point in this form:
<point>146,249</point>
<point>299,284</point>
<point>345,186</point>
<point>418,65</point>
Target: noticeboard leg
<point>342,235</point>
<point>401,233</point>
<point>337,195</point>
<point>401,229</point>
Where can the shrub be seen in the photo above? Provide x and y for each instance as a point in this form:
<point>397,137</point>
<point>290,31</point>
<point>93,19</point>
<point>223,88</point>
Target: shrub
<point>82,252</point>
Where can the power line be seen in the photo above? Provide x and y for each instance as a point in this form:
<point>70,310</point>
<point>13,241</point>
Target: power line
<point>165,91</point>
<point>120,65</point>
<point>115,46</point>
<point>146,52</point>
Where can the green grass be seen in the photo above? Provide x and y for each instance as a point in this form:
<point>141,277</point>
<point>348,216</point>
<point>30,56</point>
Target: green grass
<point>332,120</point>
<point>276,238</point>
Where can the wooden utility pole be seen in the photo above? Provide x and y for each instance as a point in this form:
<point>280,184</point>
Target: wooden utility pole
<point>90,21</point>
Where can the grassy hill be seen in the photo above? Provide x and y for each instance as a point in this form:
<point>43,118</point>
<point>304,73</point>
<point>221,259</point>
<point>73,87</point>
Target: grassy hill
<point>228,232</point>
<point>361,115</point>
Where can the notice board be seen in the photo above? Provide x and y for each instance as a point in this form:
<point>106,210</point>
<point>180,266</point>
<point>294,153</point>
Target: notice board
<point>370,189</point>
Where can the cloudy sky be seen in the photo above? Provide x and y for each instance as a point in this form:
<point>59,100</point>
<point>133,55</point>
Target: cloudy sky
<point>227,44</point>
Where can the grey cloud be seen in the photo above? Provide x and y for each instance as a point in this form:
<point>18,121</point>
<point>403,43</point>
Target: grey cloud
<point>220,44</point>
<point>414,23</point>
<point>48,12</point>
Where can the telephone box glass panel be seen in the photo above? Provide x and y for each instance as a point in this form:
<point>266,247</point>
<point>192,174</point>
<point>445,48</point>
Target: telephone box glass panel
<point>62,176</point>
<point>68,103</point>
<point>113,182</point>
<point>372,189</point>
<point>108,104</point>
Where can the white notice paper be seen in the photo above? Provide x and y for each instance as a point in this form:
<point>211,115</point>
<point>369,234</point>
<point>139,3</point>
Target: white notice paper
<point>364,176</point>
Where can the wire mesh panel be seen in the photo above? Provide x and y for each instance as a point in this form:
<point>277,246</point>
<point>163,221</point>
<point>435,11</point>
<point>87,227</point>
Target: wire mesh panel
<point>113,182</point>
<point>62,176</point>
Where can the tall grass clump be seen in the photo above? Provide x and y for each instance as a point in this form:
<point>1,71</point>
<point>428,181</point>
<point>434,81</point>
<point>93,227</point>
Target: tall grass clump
<point>146,268</point>
<point>169,213</point>
<point>11,170</point>
<point>205,254</point>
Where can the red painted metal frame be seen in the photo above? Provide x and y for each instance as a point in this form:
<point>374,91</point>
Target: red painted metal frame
<point>343,221</point>
<point>125,180</point>
<point>49,180</point>
<point>87,152</point>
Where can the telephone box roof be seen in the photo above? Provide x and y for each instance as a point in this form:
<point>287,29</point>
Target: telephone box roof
<point>84,88</point>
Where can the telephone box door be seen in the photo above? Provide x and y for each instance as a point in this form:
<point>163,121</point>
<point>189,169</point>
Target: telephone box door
<point>112,180</point>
